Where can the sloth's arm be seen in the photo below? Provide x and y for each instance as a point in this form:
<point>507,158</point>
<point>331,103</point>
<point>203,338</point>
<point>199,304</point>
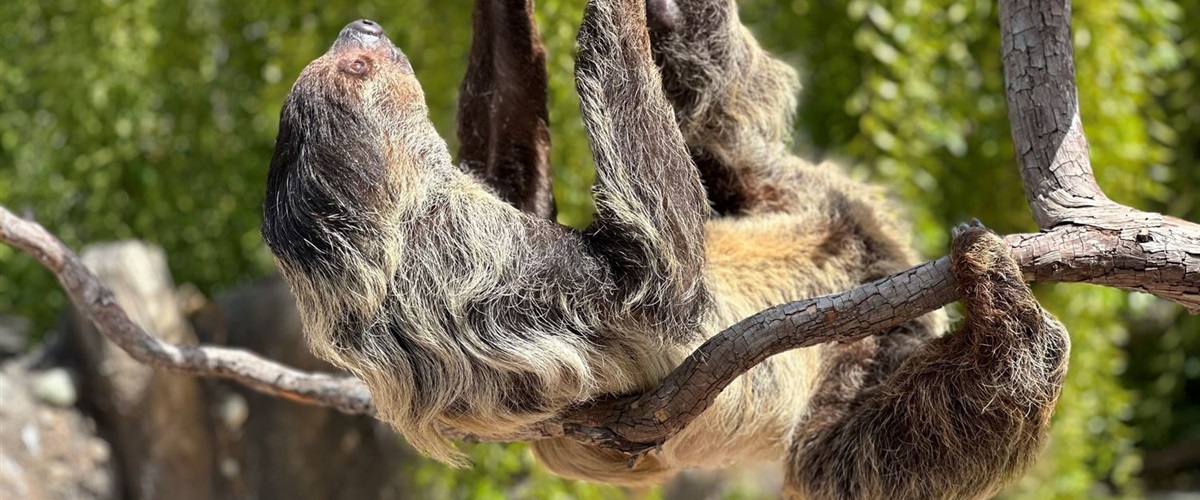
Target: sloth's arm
<point>502,118</point>
<point>733,101</point>
<point>697,43</point>
<point>962,416</point>
<point>650,206</point>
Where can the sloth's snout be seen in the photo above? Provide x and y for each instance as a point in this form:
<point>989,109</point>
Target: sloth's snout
<point>365,35</point>
<point>366,27</point>
<point>362,33</point>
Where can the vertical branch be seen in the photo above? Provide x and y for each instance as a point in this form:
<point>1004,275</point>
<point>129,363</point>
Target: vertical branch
<point>1043,107</point>
<point>1126,248</point>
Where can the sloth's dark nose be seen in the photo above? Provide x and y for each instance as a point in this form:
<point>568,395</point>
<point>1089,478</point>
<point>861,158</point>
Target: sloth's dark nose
<point>366,27</point>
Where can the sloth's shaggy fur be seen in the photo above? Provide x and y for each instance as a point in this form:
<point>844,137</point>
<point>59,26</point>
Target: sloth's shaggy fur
<point>460,311</point>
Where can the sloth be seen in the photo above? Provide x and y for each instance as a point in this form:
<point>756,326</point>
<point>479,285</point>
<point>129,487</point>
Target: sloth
<point>451,292</point>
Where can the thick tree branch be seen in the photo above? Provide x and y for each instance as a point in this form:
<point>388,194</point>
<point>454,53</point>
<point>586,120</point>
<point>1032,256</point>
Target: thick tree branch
<point>1152,254</point>
<point>1047,132</point>
<point>1043,109</point>
<point>1147,252</point>
<point>639,423</point>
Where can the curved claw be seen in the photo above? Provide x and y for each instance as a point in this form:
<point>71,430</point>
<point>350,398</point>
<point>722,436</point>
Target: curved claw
<point>974,223</point>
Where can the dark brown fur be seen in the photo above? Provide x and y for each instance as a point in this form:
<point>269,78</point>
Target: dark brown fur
<point>502,117</point>
<point>460,311</point>
<point>965,414</point>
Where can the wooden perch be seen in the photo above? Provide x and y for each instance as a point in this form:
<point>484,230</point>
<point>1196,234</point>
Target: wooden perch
<point>1085,238</point>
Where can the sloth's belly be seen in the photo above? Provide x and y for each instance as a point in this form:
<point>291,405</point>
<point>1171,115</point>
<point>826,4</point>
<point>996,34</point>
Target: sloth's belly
<point>753,416</point>
<point>755,264</point>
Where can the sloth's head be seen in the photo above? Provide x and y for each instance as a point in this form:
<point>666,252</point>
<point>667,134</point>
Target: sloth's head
<point>363,73</point>
<point>355,145</point>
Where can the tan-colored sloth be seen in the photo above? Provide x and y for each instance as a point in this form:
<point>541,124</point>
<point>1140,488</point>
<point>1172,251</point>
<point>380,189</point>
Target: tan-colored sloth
<point>450,293</point>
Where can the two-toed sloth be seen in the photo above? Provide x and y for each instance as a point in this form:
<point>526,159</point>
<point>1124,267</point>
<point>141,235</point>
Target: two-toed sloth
<point>448,290</point>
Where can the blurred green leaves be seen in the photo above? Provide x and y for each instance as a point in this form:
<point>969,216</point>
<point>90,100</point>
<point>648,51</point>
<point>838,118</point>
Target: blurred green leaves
<point>507,471</point>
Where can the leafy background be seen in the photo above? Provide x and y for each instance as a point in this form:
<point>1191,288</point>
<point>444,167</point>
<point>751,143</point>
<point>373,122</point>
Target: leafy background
<point>155,119</point>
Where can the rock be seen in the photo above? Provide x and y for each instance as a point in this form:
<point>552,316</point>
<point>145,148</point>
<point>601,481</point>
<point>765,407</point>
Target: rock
<point>55,386</point>
<point>48,452</point>
<point>274,448</point>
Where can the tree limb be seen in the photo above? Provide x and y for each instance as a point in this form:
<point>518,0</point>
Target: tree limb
<point>637,423</point>
<point>96,302</point>
<point>1069,254</point>
<point>1085,238</point>
<point>1043,111</point>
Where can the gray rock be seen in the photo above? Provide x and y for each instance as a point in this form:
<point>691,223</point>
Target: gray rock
<point>55,386</point>
<point>48,452</point>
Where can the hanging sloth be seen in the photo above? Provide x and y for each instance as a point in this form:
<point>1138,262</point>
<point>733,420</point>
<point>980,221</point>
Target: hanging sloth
<point>449,290</point>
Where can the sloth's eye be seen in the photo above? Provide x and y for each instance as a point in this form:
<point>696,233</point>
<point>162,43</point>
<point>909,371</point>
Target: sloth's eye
<point>356,67</point>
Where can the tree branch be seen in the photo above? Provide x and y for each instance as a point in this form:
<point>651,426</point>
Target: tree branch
<point>96,302</point>
<point>1043,110</point>
<point>1152,254</point>
<point>1086,238</point>
<point>1147,252</point>
<point>638,423</point>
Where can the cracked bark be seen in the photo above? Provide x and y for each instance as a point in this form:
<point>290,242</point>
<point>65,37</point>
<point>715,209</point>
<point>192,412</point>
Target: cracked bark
<point>1085,238</point>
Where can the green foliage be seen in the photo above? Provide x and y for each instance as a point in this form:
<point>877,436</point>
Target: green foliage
<point>507,471</point>
<point>1165,348</point>
<point>155,119</point>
